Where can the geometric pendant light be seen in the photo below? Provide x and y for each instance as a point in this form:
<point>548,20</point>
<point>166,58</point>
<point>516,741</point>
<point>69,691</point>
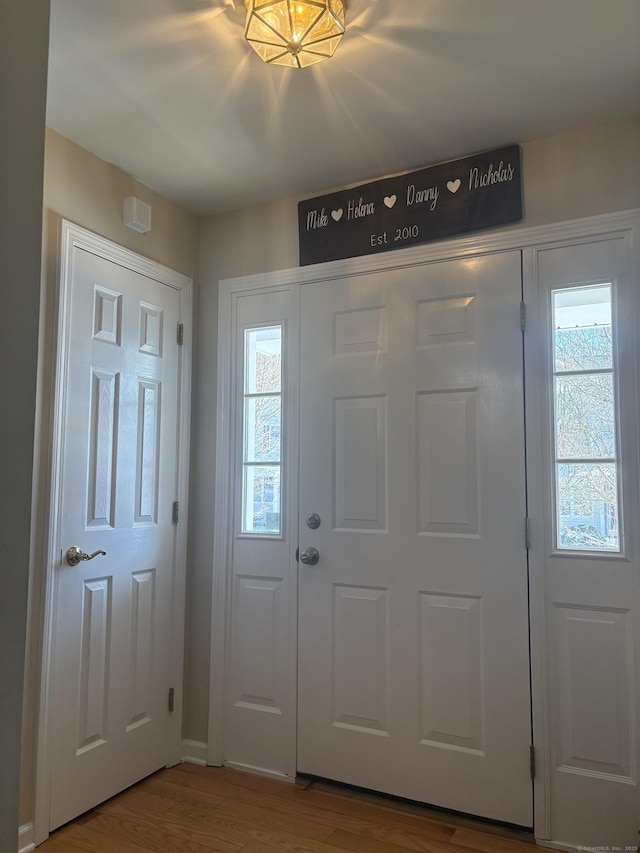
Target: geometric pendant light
<point>296,33</point>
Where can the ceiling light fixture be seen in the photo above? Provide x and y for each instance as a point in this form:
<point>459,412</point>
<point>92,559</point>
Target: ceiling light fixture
<point>296,33</point>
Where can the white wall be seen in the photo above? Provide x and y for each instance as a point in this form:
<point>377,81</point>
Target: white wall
<point>24,35</point>
<point>84,189</point>
<point>575,175</point>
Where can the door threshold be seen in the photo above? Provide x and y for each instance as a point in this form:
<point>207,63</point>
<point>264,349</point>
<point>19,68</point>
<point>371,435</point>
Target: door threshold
<point>437,814</point>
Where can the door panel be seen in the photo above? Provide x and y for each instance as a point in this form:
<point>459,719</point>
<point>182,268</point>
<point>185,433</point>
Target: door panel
<point>589,564</point>
<point>112,624</point>
<point>259,702</point>
<point>413,643</point>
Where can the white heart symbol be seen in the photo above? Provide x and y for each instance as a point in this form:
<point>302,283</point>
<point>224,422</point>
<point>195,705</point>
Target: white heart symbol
<point>390,200</point>
<point>453,186</point>
<point>337,214</point>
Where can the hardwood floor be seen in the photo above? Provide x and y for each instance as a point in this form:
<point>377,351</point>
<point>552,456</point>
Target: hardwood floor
<point>190,809</point>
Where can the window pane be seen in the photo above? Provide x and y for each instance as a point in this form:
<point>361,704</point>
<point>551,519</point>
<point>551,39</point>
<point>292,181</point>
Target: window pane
<point>585,417</point>
<point>587,502</point>
<point>582,328</point>
<point>261,499</point>
<point>262,429</point>
<point>263,360</point>
<point>583,349</point>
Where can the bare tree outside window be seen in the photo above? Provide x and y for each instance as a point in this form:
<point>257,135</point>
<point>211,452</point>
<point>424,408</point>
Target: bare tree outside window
<point>585,422</point>
<point>262,436</point>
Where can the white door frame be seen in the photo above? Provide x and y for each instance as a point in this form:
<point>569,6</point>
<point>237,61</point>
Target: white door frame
<point>72,237</point>
<point>230,289</point>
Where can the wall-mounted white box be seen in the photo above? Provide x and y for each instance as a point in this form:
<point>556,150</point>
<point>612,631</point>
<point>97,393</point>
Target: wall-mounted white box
<point>137,214</point>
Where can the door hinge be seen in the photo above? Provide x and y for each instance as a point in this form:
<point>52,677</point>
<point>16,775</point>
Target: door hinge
<point>527,533</point>
<point>170,702</point>
<point>532,761</point>
<point>523,316</point>
<point>175,512</point>
<point>180,334</point>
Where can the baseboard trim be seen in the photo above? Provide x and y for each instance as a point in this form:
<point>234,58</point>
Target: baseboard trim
<point>260,771</point>
<point>194,752</point>
<point>26,838</point>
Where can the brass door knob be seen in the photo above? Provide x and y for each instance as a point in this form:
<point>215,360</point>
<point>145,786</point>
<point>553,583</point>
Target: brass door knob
<point>76,555</point>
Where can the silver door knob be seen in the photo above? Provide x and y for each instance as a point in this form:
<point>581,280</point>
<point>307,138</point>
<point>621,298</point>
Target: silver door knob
<point>76,555</point>
<point>309,556</point>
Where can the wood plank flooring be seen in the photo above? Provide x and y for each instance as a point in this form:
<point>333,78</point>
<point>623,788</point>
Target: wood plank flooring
<point>191,809</point>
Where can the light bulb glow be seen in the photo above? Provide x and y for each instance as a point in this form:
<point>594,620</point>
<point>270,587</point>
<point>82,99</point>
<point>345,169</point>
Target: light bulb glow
<point>295,33</point>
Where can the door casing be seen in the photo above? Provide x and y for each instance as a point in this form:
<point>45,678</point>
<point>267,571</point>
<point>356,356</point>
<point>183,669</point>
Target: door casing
<point>585,591</point>
<point>71,237</point>
<point>526,239</point>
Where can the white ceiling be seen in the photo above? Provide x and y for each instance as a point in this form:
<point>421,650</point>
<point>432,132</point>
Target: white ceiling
<point>169,91</point>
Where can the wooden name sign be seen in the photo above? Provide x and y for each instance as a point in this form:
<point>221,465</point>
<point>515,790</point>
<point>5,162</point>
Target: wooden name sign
<point>482,191</point>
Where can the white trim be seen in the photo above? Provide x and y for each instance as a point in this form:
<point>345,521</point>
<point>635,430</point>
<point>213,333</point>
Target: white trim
<point>260,771</point>
<point>72,237</point>
<point>194,752</point>
<point>292,417</point>
<point>26,841</point>
<point>537,600</point>
<point>607,226</point>
<point>178,610</point>
<point>221,538</point>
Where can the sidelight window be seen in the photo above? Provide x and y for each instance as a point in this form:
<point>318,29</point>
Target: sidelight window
<point>585,433</point>
<point>262,431</point>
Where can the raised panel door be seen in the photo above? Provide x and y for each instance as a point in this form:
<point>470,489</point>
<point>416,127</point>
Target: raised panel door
<point>112,624</point>
<point>413,626</point>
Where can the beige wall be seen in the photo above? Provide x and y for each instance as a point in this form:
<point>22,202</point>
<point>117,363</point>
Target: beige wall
<point>89,192</point>
<point>576,175</point>
<point>582,174</point>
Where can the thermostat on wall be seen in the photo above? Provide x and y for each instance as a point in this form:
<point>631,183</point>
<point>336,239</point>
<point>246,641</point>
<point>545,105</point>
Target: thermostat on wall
<point>137,215</point>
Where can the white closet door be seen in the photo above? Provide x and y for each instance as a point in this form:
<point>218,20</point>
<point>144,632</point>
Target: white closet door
<point>112,633</point>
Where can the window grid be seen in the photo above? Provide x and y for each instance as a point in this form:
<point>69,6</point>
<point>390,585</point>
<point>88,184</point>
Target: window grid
<point>262,431</point>
<point>584,420</point>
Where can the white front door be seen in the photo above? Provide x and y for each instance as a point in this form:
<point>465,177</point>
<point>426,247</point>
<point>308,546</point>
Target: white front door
<point>413,624</point>
<point>112,624</point>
